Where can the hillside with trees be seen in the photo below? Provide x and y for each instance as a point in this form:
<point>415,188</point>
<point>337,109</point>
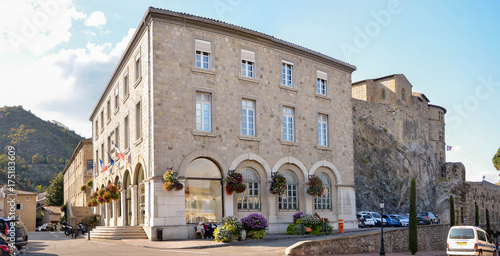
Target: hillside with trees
<point>42,148</point>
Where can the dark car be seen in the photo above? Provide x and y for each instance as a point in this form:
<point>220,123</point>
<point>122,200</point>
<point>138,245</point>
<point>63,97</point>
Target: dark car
<point>427,218</point>
<point>7,247</point>
<point>15,227</point>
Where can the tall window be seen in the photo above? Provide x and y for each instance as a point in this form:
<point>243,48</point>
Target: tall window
<point>248,117</point>
<point>203,50</point>
<point>102,120</point>
<point>138,65</point>
<point>102,154</point>
<point>97,127</point>
<point>125,85</point>
<point>288,124</point>
<point>247,63</point>
<point>117,102</point>
<point>203,112</point>
<point>127,132</point>
<point>323,130</point>
<point>403,94</point>
<point>117,136</point>
<point>108,109</point>
<point>324,202</point>
<point>290,200</point>
<point>322,82</point>
<point>287,74</point>
<point>250,198</point>
<point>138,121</point>
<point>383,94</point>
<point>109,147</point>
<point>441,136</point>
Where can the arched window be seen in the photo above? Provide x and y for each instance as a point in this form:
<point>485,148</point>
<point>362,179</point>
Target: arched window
<point>324,202</point>
<point>290,200</point>
<point>141,195</point>
<point>383,94</point>
<point>403,93</point>
<point>250,198</point>
<point>203,191</point>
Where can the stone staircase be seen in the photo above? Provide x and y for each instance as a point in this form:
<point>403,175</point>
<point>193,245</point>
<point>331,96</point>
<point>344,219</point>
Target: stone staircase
<point>118,233</point>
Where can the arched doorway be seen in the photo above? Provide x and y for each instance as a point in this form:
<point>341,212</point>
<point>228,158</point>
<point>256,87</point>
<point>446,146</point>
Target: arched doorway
<point>118,203</point>
<point>127,182</point>
<point>203,192</point>
<point>141,195</point>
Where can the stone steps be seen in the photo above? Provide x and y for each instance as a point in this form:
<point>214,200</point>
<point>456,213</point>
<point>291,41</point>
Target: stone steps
<point>118,233</point>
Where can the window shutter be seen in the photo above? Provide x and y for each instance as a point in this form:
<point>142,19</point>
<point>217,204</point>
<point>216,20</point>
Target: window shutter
<point>248,55</point>
<point>203,46</point>
<point>322,75</point>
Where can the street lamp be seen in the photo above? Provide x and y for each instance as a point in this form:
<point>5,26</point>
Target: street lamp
<point>382,251</point>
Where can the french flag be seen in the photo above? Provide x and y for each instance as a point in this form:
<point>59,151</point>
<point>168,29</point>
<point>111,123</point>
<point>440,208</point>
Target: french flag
<point>119,153</point>
<point>104,168</point>
<point>448,148</point>
<point>111,160</point>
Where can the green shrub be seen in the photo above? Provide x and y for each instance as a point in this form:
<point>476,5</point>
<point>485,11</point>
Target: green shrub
<point>326,228</point>
<point>297,230</point>
<point>232,223</point>
<point>316,230</point>
<point>223,234</point>
<point>289,229</point>
<point>310,220</point>
<point>259,234</point>
<point>412,236</point>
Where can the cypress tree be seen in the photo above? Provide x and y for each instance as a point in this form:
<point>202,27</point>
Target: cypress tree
<point>413,218</point>
<point>452,211</point>
<point>476,218</point>
<point>488,227</point>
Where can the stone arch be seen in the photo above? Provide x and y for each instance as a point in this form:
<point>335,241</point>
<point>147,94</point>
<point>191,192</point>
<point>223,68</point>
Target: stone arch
<point>291,160</point>
<point>216,158</point>
<point>251,157</point>
<point>140,162</point>
<point>328,165</point>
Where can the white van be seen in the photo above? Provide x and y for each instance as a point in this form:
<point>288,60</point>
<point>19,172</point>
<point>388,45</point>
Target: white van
<point>469,240</point>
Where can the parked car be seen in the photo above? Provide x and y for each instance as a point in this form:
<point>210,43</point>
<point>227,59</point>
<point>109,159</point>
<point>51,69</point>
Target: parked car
<point>48,227</point>
<point>20,231</point>
<point>369,221</point>
<point>392,220</point>
<point>469,240</point>
<point>377,217</point>
<point>7,247</point>
<point>361,220</point>
<point>427,218</point>
<point>404,220</point>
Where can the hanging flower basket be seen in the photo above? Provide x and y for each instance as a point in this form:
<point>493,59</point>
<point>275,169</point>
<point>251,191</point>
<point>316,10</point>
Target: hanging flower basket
<point>278,185</point>
<point>171,179</point>
<point>315,186</point>
<point>234,183</point>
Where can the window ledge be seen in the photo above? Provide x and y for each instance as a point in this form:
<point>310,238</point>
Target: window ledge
<point>109,121</point>
<point>203,71</point>
<point>286,87</point>
<point>204,134</point>
<point>321,96</point>
<point>102,129</point>
<point>138,141</point>
<point>137,82</point>
<point>125,98</point>
<point>250,138</point>
<point>126,151</point>
<point>289,143</point>
<point>116,110</point>
<point>249,79</point>
<point>323,148</point>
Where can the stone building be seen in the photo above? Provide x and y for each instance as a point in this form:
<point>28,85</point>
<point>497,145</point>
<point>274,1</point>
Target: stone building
<point>24,207</point>
<point>407,115</point>
<point>204,97</point>
<point>77,172</point>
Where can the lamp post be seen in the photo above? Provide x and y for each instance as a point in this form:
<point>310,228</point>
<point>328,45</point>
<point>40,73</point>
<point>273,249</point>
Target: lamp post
<point>382,251</point>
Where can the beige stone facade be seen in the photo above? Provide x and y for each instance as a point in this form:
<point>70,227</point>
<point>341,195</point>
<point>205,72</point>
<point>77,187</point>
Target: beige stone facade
<point>389,102</point>
<point>77,172</point>
<point>20,203</point>
<point>163,110</point>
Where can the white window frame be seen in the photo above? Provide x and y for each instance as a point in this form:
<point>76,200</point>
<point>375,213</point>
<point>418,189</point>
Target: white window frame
<point>203,51</point>
<point>117,97</point>
<point>248,117</point>
<point>202,60</point>
<point>323,130</point>
<point>288,124</point>
<point>290,200</point>
<point>138,68</point>
<point>126,87</point>
<point>126,126</point>
<point>287,79</point>
<point>324,202</point>
<point>247,69</point>
<point>250,198</point>
<point>322,86</point>
<point>138,120</point>
<point>203,111</point>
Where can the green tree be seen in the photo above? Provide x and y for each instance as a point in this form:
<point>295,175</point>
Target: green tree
<point>452,211</point>
<point>488,227</point>
<point>37,159</point>
<point>413,243</point>
<point>476,219</point>
<point>496,160</point>
<point>55,191</point>
<point>49,160</point>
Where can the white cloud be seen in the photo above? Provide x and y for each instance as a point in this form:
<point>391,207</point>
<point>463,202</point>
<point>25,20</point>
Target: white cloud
<point>96,19</point>
<point>63,86</point>
<point>35,25</point>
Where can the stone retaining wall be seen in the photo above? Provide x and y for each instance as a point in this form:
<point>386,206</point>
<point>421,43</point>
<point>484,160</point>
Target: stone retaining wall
<point>431,237</point>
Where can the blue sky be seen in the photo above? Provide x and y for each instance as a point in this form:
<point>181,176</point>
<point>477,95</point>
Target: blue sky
<point>57,55</point>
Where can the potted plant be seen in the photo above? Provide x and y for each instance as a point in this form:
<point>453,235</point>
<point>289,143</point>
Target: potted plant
<point>315,186</point>
<point>255,225</point>
<point>278,185</point>
<point>234,183</point>
<point>171,179</point>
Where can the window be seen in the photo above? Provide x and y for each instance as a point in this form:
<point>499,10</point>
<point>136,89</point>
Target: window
<point>203,112</point>
<point>117,136</point>
<point>288,124</point>
<point>323,130</point>
<point>127,132</point>
<point>383,94</point>
<point>289,200</point>
<point>102,120</point>
<point>19,207</point>
<point>250,198</point>
<point>403,97</point>
<point>248,117</point>
<point>102,154</point>
<point>138,121</point>
<point>322,78</point>
<point>287,73</point>
<point>138,65</point>
<point>117,103</point>
<point>125,85</point>
<point>108,109</point>
<point>97,128</point>
<point>97,159</point>
<point>441,137</point>
<point>324,201</point>
<point>203,50</point>
<point>247,63</point>
<point>109,145</point>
